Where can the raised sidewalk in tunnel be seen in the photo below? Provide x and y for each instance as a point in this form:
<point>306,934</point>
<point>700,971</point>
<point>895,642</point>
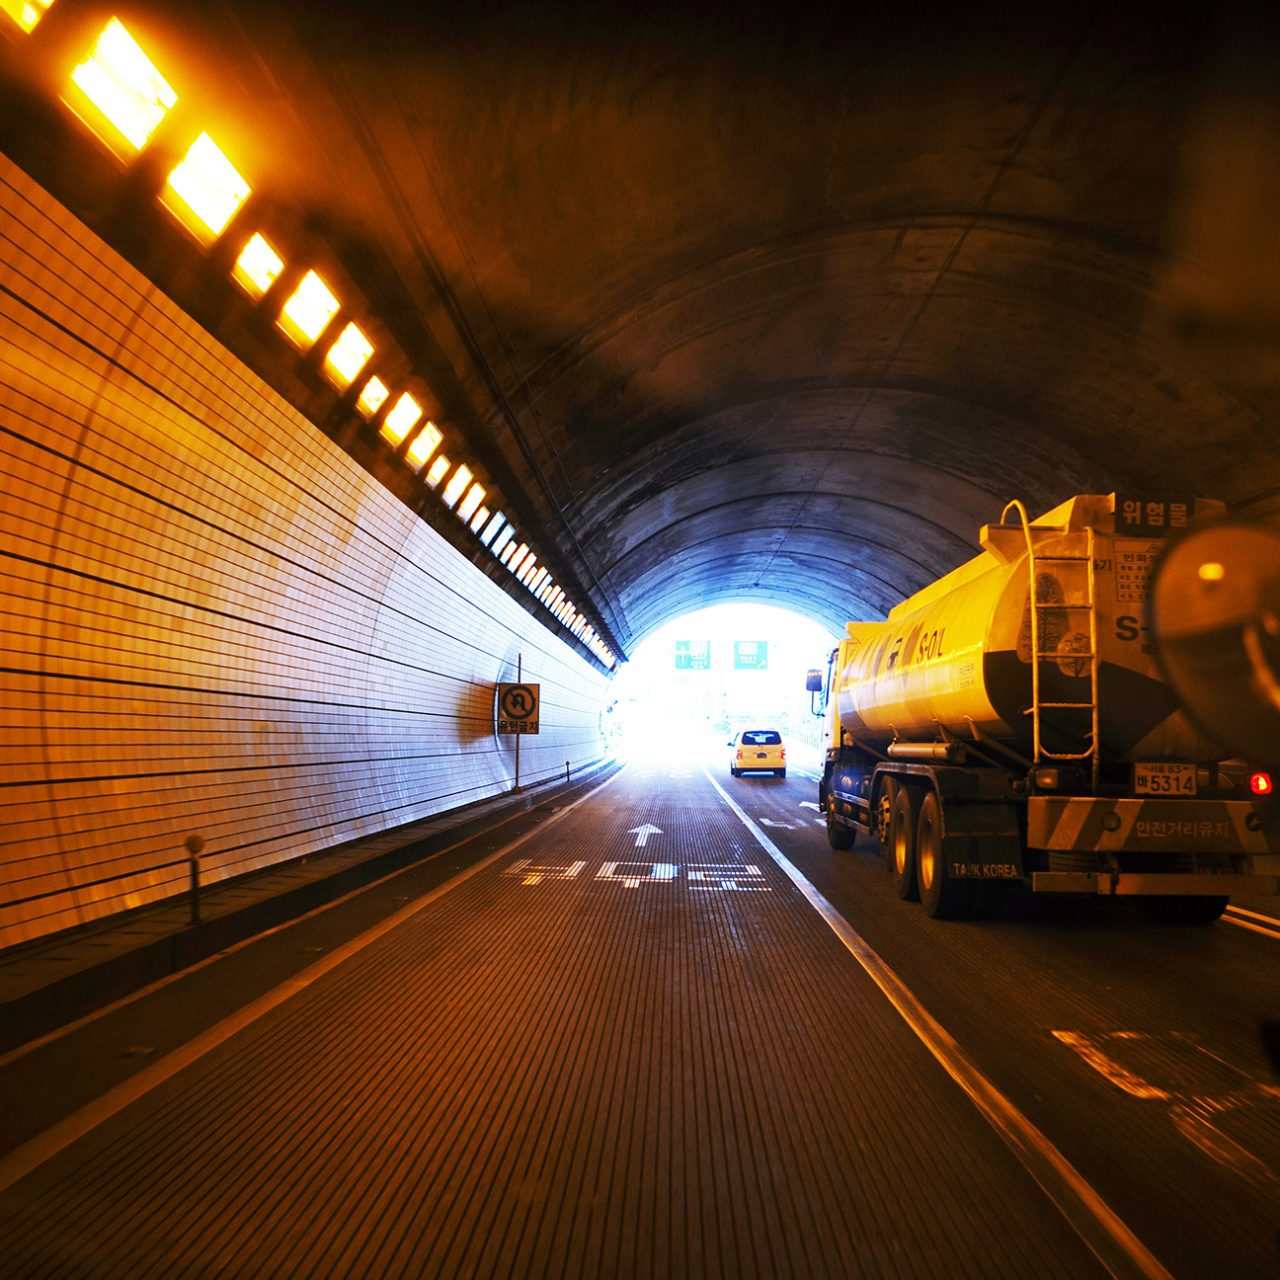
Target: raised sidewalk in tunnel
<point>52,981</point>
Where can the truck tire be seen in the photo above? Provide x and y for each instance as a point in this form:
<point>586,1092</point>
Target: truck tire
<point>884,821</point>
<point>1182,908</point>
<point>942,896</point>
<point>838,835</point>
<point>902,842</point>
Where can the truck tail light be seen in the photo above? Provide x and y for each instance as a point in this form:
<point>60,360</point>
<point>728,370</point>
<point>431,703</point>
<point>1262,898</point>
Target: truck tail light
<point>1260,783</point>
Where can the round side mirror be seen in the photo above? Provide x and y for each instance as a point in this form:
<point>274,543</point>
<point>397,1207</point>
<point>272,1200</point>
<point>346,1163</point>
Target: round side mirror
<point>1214,612</point>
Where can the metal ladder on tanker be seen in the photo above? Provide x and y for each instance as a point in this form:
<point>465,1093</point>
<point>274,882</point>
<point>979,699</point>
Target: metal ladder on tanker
<point>1037,607</point>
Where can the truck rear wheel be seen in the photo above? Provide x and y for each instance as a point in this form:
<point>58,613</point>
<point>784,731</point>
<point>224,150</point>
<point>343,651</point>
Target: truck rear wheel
<point>902,843</point>
<point>1182,908</point>
<point>941,894</point>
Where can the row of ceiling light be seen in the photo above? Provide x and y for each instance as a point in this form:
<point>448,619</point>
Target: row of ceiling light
<point>121,96</point>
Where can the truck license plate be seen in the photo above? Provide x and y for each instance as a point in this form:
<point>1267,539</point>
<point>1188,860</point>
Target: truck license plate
<point>1161,779</point>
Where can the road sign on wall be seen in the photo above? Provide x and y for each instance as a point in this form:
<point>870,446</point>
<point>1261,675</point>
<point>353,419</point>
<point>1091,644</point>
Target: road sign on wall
<point>518,706</point>
<point>750,655</point>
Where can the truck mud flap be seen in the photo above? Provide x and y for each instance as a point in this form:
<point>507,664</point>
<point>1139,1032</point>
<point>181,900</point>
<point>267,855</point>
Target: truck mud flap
<point>981,841</point>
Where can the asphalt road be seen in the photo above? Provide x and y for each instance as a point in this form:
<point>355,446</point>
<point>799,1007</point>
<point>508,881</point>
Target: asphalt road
<point>1130,1049</point>
<point>1134,1047</point>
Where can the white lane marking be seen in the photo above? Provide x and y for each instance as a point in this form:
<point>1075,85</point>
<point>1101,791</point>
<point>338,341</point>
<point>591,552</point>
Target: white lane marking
<point>536,875</point>
<point>1268,926</point>
<point>655,873</point>
<point>809,804</point>
<point>784,826</point>
<point>643,832</point>
<point>1189,1113</point>
<point>1115,1246</point>
<point>1108,1068</point>
<point>44,1146</point>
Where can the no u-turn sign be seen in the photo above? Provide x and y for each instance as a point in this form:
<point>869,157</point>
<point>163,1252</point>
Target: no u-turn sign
<point>518,708</point>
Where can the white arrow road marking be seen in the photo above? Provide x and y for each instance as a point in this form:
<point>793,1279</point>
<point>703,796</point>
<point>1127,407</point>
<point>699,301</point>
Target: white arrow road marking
<point>769,822</point>
<point>642,834</point>
<point>808,804</point>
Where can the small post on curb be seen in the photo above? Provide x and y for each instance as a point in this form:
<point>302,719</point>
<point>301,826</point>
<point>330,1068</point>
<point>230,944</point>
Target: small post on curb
<point>566,771</point>
<point>195,845</point>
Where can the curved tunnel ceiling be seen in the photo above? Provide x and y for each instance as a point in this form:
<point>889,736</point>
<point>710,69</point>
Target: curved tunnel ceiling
<point>781,303</point>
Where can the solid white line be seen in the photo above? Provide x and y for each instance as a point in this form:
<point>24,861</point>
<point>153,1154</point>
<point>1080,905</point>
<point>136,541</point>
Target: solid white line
<point>1115,1246</point>
<point>22,1160</point>
<point>1254,915</point>
<point>1272,932</point>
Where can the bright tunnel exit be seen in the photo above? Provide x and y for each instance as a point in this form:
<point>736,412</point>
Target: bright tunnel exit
<point>694,683</point>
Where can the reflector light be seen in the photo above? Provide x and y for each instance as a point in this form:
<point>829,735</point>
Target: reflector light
<point>26,13</point>
<point>123,88</point>
<point>457,485</point>
<point>305,316</point>
<point>1260,784</point>
<point>257,266</point>
<point>348,355</point>
<point>372,397</point>
<point>468,505</point>
<point>424,444</point>
<point>205,191</point>
<point>401,418</point>
<point>439,468</point>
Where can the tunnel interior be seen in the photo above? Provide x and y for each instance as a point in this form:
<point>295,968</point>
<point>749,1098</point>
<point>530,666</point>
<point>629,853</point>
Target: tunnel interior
<point>728,303</point>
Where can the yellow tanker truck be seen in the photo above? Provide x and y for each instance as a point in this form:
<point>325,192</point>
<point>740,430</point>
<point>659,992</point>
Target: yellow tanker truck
<point>1008,724</point>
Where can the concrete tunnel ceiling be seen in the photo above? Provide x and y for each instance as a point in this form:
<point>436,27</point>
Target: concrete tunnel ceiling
<point>776,303</point>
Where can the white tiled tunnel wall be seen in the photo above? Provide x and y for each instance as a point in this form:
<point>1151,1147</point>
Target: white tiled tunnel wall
<point>214,620</point>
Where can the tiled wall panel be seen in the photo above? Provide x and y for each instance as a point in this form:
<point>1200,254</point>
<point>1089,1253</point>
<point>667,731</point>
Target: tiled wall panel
<point>213,620</point>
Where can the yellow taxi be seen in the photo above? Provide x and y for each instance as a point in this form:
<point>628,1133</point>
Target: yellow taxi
<point>759,751</point>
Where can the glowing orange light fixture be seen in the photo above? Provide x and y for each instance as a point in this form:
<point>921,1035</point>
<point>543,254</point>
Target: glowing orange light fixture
<point>457,485</point>
<point>26,13</point>
<point>306,314</point>
<point>438,470</point>
<point>1260,784</point>
<point>348,355</point>
<point>205,191</point>
<point>257,266</point>
<point>401,418</point>
<point>423,445</point>
<point>468,505</point>
<point>118,86</point>
<point>373,397</point>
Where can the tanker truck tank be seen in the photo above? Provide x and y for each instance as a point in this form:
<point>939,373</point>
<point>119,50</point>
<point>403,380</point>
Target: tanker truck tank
<point>1009,723</point>
<point>956,656</point>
